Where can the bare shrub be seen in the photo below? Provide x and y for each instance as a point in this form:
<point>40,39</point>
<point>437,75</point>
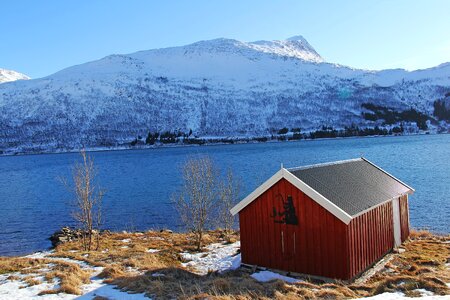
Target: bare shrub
<point>197,199</point>
<point>228,196</point>
<point>87,201</point>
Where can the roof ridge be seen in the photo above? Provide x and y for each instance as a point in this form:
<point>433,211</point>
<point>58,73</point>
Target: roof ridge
<point>389,174</point>
<point>338,162</point>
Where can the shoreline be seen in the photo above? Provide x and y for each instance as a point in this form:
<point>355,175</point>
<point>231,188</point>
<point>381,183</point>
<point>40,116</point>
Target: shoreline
<point>232,142</point>
<point>52,248</point>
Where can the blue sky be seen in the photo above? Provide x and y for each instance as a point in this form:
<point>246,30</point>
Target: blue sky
<point>39,38</point>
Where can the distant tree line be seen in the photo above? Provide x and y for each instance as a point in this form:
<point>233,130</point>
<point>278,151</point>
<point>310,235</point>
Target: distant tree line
<point>329,132</point>
<point>390,116</point>
<point>387,115</point>
<point>442,109</point>
<point>283,134</point>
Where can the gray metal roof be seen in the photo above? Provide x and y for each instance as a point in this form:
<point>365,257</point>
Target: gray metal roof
<point>353,185</point>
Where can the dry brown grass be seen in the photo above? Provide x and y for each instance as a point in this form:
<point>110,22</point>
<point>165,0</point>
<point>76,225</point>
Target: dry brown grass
<point>13,277</point>
<point>180,283</point>
<point>99,298</point>
<point>112,272</point>
<point>134,253</point>
<point>420,234</point>
<point>47,292</point>
<point>19,264</point>
<point>421,266</point>
<point>30,281</point>
<point>71,277</point>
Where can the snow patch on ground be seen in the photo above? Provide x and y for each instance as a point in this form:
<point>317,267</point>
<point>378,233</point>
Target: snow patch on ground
<point>46,255</point>
<point>265,276</point>
<point>98,288</point>
<point>14,289</point>
<point>219,257</point>
<point>153,250</point>
<point>401,296</point>
<point>18,289</point>
<point>42,254</point>
<point>424,292</point>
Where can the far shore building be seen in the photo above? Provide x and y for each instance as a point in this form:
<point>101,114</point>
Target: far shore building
<point>332,220</point>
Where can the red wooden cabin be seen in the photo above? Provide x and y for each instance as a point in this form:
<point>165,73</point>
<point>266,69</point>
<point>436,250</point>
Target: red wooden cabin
<point>331,220</point>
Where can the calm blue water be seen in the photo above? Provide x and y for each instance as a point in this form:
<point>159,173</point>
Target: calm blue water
<point>139,183</point>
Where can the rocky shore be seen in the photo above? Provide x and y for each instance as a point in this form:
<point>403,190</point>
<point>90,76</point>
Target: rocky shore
<point>66,234</point>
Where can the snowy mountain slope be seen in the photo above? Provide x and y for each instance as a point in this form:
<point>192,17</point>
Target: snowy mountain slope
<point>220,87</point>
<point>9,75</point>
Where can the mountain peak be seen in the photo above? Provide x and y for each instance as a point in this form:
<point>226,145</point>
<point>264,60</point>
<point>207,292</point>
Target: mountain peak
<point>10,75</point>
<point>296,46</point>
<point>297,38</point>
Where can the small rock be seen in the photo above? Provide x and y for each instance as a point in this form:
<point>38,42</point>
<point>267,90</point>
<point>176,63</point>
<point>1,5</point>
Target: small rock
<point>399,250</point>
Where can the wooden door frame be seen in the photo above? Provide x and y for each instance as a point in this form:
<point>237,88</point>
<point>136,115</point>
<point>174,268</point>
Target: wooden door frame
<point>396,222</point>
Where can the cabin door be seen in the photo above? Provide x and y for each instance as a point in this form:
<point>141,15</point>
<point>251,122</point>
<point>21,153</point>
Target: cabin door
<point>288,242</point>
<point>285,217</point>
<point>396,221</point>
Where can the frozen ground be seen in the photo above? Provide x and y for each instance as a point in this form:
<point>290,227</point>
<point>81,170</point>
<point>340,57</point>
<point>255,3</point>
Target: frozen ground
<point>265,276</point>
<point>394,296</point>
<point>18,289</point>
<point>218,257</point>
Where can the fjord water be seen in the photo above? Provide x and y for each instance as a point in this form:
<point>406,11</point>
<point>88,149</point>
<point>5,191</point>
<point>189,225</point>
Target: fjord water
<point>138,183</point>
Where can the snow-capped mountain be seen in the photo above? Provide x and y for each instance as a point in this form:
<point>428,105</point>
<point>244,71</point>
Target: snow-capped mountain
<point>9,75</point>
<point>295,46</point>
<point>220,88</point>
